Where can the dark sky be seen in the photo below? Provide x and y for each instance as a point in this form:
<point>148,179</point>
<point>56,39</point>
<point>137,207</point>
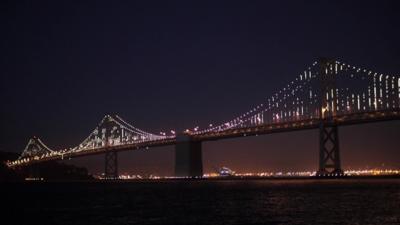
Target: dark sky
<point>165,65</point>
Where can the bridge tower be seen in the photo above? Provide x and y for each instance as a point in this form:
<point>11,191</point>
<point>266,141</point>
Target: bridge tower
<point>329,151</point>
<point>188,157</point>
<point>111,157</point>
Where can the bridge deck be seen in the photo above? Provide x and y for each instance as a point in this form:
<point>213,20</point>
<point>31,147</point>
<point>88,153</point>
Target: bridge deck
<point>340,120</point>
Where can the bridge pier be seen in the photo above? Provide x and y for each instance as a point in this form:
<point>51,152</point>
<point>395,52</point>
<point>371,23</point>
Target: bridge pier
<point>111,165</point>
<point>34,171</point>
<point>188,157</point>
<point>329,154</point>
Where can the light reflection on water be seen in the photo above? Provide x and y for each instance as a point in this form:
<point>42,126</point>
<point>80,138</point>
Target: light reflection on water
<point>207,202</point>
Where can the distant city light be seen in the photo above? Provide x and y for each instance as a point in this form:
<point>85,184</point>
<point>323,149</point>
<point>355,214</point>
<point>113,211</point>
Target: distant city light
<point>281,174</point>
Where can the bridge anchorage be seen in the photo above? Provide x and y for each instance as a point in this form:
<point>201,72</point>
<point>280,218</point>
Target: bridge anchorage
<point>188,157</point>
<point>327,95</point>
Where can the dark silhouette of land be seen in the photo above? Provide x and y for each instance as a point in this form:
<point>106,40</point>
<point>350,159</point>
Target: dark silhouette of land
<point>52,171</point>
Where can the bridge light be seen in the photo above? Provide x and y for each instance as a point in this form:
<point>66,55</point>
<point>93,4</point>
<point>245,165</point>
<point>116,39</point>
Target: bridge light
<point>324,109</point>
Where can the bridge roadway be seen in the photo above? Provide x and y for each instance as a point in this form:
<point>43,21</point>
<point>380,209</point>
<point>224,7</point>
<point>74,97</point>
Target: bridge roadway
<point>340,120</point>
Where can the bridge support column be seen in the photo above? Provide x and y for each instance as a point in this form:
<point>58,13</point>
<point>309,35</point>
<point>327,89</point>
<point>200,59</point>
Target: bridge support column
<point>111,165</point>
<point>34,171</point>
<point>329,157</point>
<point>188,157</point>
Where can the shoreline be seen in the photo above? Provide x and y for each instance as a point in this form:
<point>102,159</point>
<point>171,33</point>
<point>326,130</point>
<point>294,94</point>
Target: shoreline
<point>232,178</point>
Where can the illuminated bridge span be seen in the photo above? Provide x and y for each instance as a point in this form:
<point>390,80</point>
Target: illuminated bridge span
<point>326,95</point>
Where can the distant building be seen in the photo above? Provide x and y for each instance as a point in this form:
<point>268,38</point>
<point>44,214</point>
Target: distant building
<point>225,171</point>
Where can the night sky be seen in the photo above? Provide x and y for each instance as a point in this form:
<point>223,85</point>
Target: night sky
<point>165,65</point>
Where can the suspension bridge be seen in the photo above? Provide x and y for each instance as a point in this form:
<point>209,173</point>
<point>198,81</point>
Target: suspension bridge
<point>325,96</point>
